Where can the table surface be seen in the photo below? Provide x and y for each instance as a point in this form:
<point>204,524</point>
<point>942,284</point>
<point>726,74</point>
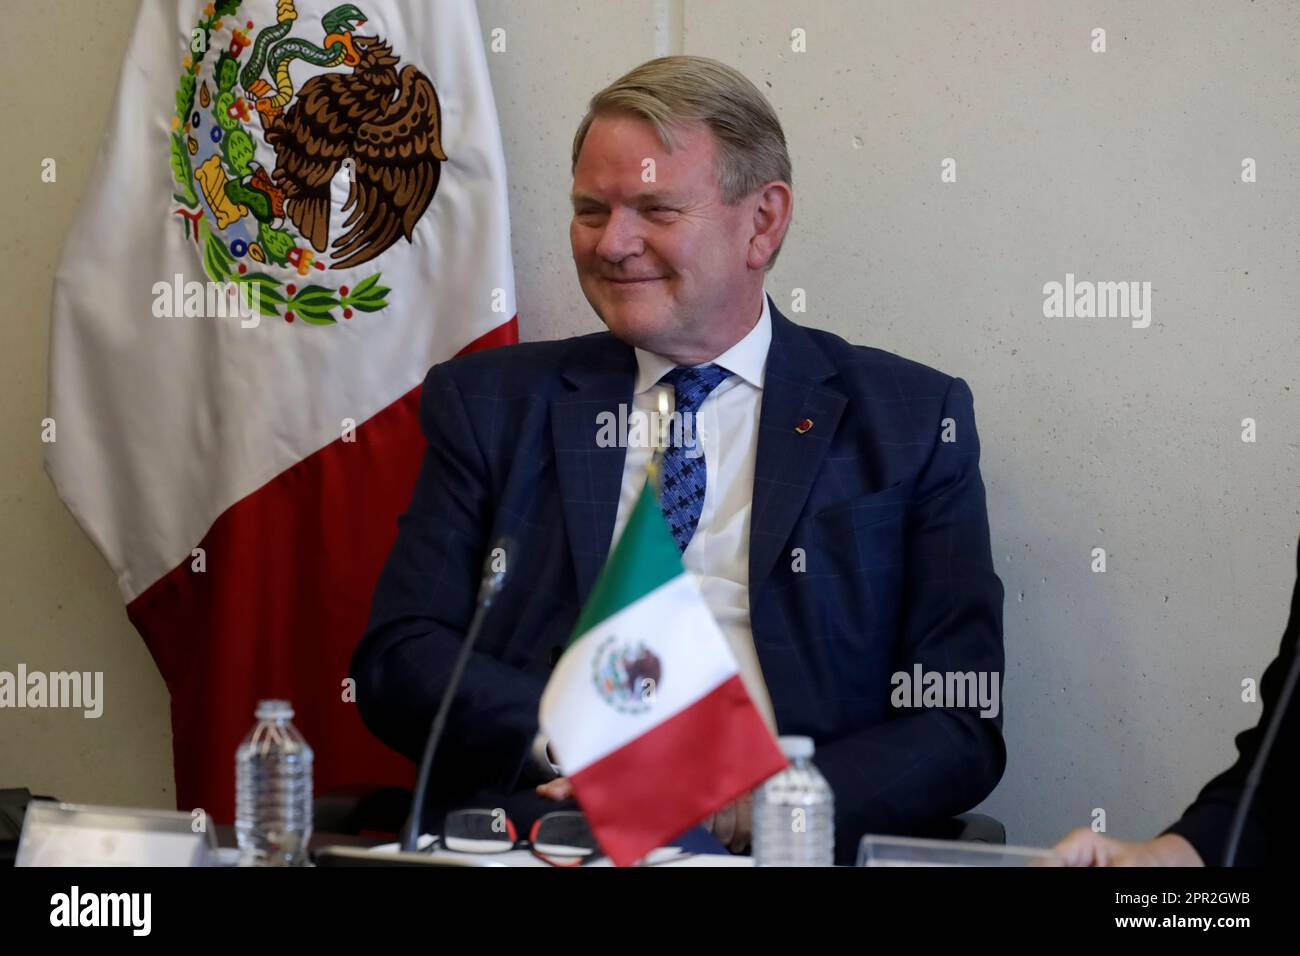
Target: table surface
<point>226,838</point>
<point>667,856</point>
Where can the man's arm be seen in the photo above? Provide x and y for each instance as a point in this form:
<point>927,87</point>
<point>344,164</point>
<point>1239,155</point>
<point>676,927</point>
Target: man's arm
<point>422,607</point>
<point>1200,836</point>
<point>1206,822</point>
<point>924,765</point>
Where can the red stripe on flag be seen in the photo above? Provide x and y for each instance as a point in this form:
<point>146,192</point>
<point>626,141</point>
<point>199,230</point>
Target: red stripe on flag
<point>665,781</point>
<point>507,333</point>
<point>282,604</point>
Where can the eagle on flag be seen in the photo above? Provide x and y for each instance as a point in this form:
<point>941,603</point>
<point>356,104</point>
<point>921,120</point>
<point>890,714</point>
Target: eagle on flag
<point>384,123</point>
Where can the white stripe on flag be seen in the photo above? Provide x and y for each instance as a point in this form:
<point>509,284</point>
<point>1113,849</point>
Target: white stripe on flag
<point>675,625</point>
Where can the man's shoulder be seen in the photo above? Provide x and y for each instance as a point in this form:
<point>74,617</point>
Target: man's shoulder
<point>524,366</point>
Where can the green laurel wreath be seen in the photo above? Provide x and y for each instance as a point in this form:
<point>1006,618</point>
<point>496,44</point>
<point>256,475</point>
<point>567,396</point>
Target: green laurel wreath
<point>314,304</point>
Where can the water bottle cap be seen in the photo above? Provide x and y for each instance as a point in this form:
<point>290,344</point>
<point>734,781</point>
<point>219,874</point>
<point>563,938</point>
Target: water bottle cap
<point>796,747</point>
<point>274,710</point>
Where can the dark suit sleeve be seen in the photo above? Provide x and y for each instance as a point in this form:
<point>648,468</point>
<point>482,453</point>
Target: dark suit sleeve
<point>1269,834</point>
<point>421,610</point>
<point>923,765</point>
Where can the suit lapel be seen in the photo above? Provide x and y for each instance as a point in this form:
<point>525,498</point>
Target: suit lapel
<point>599,374</point>
<point>788,459</point>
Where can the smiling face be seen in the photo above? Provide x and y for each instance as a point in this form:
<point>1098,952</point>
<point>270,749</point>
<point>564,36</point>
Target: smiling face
<point>665,264</point>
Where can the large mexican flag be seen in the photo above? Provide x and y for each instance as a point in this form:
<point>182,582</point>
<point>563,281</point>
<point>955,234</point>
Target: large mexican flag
<point>243,475</point>
<point>646,709</point>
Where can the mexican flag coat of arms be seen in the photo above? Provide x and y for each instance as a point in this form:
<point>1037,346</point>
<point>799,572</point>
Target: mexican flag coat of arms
<point>298,208</point>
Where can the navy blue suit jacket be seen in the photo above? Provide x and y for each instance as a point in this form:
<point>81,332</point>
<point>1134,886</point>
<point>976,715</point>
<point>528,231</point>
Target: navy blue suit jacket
<point>890,516</point>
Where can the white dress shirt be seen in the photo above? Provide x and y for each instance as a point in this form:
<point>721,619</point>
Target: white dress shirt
<point>726,427</point>
<point>717,556</point>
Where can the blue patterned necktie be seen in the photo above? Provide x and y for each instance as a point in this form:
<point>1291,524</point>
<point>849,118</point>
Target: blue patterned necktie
<point>684,474</point>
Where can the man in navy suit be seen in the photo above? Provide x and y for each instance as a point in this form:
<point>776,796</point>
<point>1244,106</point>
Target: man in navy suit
<point>832,508</point>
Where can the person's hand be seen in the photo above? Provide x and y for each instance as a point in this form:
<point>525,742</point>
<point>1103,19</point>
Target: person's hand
<point>733,825</point>
<point>558,789</point>
<point>1083,847</point>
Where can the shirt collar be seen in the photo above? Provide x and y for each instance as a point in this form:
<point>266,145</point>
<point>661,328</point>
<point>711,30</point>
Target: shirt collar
<point>746,359</point>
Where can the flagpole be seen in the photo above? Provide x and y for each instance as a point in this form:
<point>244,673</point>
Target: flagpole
<point>654,467</point>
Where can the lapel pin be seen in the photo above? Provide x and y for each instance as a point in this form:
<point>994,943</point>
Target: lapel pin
<point>804,426</point>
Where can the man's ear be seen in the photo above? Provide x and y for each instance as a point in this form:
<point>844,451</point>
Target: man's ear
<point>773,208</point>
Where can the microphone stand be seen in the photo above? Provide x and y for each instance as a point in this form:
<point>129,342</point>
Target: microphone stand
<point>489,587</point>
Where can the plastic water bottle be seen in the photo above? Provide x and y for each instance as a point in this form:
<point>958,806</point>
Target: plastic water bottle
<point>273,790</point>
<point>794,813</point>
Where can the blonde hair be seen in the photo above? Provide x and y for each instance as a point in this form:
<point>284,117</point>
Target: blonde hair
<point>672,91</point>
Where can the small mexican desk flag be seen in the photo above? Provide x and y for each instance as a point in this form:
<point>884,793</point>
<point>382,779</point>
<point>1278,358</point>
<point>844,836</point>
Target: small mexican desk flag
<point>646,709</point>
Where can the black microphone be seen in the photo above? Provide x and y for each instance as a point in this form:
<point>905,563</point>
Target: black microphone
<point>489,587</point>
<point>1257,766</point>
